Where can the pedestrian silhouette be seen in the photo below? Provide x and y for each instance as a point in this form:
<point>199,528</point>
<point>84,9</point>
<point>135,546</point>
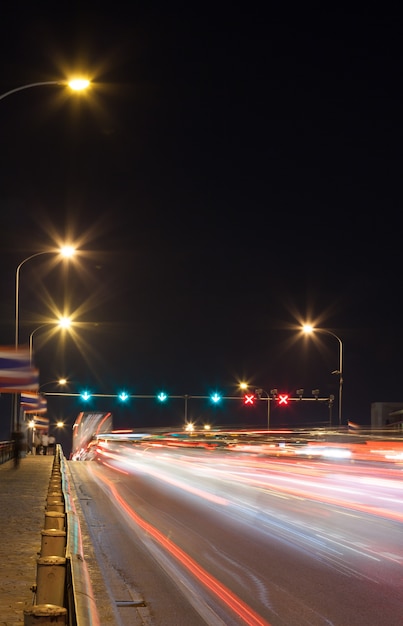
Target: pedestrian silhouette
<point>45,443</point>
<point>18,438</point>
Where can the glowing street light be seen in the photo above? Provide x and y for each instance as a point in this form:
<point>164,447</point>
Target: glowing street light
<point>65,251</point>
<point>76,84</point>
<point>308,330</point>
<point>63,323</point>
<point>61,382</point>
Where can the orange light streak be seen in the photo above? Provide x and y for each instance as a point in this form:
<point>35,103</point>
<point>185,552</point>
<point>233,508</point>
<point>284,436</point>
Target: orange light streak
<point>232,601</point>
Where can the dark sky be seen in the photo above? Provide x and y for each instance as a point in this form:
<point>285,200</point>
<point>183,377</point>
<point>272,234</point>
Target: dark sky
<point>231,173</point>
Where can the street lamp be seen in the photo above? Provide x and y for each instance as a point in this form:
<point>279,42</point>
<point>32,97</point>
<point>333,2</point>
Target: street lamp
<point>308,329</point>
<point>65,251</point>
<point>61,382</point>
<point>76,84</point>
<point>63,322</point>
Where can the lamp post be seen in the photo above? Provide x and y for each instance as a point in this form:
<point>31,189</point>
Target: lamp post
<point>308,329</point>
<point>64,322</point>
<point>65,251</point>
<point>259,393</point>
<point>77,84</point>
<point>60,381</point>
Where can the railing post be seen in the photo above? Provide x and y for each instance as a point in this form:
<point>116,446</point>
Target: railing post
<point>45,614</point>
<point>51,580</point>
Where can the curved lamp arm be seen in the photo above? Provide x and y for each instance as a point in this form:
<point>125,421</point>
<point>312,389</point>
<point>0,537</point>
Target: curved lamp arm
<point>47,82</point>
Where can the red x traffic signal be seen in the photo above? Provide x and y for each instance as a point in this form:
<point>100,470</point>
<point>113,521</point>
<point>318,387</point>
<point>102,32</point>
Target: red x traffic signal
<point>249,398</point>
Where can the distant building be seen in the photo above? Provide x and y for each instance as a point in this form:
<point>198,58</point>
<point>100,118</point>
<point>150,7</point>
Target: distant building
<point>387,415</point>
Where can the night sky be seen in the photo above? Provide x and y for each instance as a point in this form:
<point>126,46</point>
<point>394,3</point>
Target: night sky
<point>230,174</point>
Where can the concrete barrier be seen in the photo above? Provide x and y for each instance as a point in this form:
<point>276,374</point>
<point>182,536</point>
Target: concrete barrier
<point>63,591</point>
<point>51,580</point>
<point>45,614</point>
<point>55,519</point>
<point>53,542</point>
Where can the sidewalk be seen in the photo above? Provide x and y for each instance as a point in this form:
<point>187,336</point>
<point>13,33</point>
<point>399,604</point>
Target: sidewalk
<point>23,493</point>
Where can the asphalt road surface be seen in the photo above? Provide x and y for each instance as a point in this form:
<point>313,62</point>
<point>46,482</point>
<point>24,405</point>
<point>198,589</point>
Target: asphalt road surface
<point>209,536</point>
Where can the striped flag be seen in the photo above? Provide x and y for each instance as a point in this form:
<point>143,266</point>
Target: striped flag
<point>11,357</point>
<point>29,399</point>
<point>33,402</point>
<point>16,371</point>
<point>40,423</point>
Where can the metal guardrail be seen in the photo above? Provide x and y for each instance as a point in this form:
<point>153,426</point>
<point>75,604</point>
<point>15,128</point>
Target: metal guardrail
<point>86,613</point>
<point>63,590</point>
<point>6,451</point>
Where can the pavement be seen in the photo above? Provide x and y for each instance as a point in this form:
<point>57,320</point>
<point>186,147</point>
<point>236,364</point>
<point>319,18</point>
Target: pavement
<point>23,493</point>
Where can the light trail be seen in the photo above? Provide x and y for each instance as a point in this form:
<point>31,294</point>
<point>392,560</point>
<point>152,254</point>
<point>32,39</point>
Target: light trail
<point>171,481</point>
<point>288,479</point>
<point>252,537</point>
<point>214,586</point>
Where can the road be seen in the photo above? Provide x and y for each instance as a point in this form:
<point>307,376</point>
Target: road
<point>216,536</point>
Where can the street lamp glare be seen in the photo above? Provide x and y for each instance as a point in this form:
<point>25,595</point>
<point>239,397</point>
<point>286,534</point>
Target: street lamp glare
<point>64,322</point>
<point>67,251</point>
<point>308,328</point>
<point>78,84</point>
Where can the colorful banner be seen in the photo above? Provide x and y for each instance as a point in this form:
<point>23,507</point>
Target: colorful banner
<point>12,357</point>
<point>33,402</point>
<point>40,423</point>
<point>16,371</point>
